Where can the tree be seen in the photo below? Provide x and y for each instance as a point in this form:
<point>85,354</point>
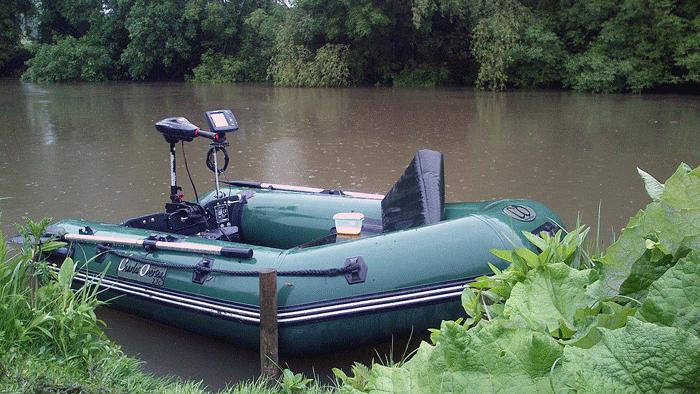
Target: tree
<point>384,44</point>
<point>297,66</point>
<point>160,40</point>
<point>82,40</point>
<point>240,49</point>
<point>168,38</point>
<point>62,18</point>
<point>646,44</point>
<point>12,15</point>
<point>69,59</point>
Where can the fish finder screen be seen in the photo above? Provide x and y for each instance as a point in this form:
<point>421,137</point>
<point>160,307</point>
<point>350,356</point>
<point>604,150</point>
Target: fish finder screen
<point>219,120</point>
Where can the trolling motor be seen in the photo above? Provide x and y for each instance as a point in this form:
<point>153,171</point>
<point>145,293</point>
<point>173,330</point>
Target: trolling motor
<point>178,129</point>
<point>217,219</point>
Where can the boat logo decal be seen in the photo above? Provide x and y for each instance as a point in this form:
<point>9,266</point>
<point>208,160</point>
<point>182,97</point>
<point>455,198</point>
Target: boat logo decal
<point>520,212</point>
<point>141,272</point>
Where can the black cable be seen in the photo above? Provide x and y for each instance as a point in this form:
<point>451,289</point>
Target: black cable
<point>210,159</point>
<point>184,157</point>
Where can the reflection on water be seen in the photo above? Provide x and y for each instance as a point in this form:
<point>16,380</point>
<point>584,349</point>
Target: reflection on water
<point>90,151</point>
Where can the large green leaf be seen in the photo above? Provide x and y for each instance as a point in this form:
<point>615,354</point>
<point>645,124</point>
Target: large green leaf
<point>551,296</point>
<point>653,263</point>
<point>66,273</point>
<point>620,256</point>
<point>654,187</point>
<point>681,202</point>
<point>608,315</point>
<point>674,299</point>
<point>494,357</point>
<point>674,220</point>
<point>639,358</point>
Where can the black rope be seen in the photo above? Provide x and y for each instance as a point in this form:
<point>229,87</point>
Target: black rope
<point>349,268</point>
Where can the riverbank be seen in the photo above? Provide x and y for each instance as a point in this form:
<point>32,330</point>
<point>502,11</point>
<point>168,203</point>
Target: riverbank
<point>52,342</point>
<point>31,373</point>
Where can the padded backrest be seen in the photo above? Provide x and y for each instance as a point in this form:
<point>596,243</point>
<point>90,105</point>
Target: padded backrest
<point>418,197</point>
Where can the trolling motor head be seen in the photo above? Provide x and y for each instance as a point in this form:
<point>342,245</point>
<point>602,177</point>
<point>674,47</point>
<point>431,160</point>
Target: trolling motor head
<point>178,129</point>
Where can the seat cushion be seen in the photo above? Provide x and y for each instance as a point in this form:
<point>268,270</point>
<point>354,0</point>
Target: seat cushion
<point>418,197</point>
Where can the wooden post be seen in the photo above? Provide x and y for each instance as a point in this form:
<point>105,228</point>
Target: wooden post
<point>269,357</point>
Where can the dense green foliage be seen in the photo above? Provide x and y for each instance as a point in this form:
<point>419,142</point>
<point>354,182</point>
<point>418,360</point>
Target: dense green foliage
<point>69,59</point>
<point>584,45</point>
<point>297,67</point>
<point>558,321</point>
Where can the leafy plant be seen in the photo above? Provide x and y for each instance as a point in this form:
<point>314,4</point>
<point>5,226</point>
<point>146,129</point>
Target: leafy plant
<point>359,380</point>
<point>40,311</point>
<point>667,226</point>
<point>488,293</point>
<point>292,383</point>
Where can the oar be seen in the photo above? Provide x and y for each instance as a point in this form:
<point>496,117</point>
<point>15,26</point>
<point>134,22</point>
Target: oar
<point>302,189</point>
<point>161,244</point>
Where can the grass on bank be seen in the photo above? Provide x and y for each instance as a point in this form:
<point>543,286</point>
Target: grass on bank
<point>51,340</point>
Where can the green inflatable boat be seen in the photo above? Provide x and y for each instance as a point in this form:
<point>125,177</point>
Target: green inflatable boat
<point>352,268</point>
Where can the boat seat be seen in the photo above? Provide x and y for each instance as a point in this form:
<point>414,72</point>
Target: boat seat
<point>418,197</point>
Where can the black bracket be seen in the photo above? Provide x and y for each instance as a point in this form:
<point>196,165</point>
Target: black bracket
<point>150,243</point>
<point>547,227</point>
<point>202,271</point>
<point>102,252</point>
<point>59,255</point>
<point>333,192</point>
<point>358,268</point>
<point>87,231</point>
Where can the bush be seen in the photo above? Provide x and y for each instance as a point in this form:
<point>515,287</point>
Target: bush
<point>298,67</point>
<point>494,40</point>
<point>538,59</point>
<point>217,68</point>
<point>595,72</point>
<point>69,59</point>
<point>425,75</point>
